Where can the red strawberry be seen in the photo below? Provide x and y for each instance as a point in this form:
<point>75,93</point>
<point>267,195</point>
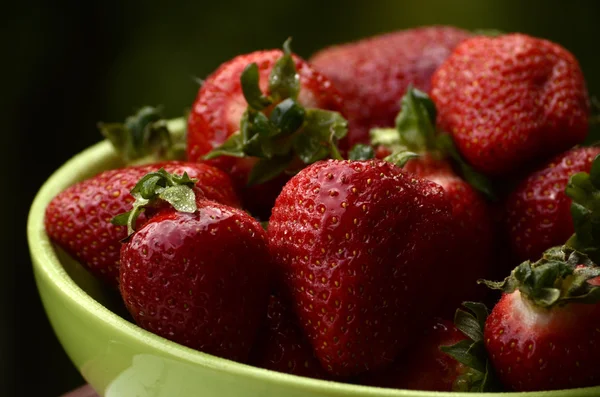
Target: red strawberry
<point>358,242</point>
<point>538,212</point>
<point>430,157</point>
<point>198,277</point>
<point>473,250</point>
<point>79,218</point>
<point>374,73</point>
<point>543,333</point>
<point>281,345</point>
<point>424,366</point>
<point>511,100</point>
<point>221,109</point>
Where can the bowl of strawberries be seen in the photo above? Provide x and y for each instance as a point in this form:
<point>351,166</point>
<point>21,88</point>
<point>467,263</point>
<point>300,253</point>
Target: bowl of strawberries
<point>412,214</point>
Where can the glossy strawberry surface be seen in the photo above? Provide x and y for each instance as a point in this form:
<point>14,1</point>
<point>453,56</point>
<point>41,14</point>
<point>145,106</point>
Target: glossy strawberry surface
<point>358,243</point>
<point>281,344</point>
<point>532,348</point>
<point>220,104</point>
<point>199,279</point>
<point>373,73</point>
<point>79,218</point>
<point>538,212</point>
<point>510,101</point>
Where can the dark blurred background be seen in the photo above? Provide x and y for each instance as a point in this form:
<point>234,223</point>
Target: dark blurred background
<point>67,65</point>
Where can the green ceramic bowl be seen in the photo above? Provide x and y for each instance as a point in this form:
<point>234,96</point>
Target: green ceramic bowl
<point>120,359</point>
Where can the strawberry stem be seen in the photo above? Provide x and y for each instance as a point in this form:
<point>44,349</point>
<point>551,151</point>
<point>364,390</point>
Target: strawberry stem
<point>155,188</point>
<point>276,128</point>
<point>415,132</point>
<point>146,137</point>
<point>561,276</point>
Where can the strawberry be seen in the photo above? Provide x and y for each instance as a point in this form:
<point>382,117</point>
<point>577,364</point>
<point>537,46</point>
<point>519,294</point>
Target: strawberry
<point>372,74</point>
<point>358,242</point>
<point>424,366</point>
<point>281,346</point>
<point>473,249</point>
<point>79,218</point>
<point>186,273</point>
<point>537,212</point>
<point>446,357</point>
<point>254,136</point>
<point>415,145</point>
<point>511,101</point>
<point>543,333</point>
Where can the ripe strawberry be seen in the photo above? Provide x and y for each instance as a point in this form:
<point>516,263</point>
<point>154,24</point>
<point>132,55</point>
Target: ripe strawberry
<point>79,218</point>
<point>510,101</point>
<point>538,212</point>
<point>424,366</point>
<point>415,144</point>
<point>186,273</point>
<point>281,346</point>
<point>358,242</point>
<point>472,252</point>
<point>543,333</point>
<point>372,74</point>
<point>232,100</point>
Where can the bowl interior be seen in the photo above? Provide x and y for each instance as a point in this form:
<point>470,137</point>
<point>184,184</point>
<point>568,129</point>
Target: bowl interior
<point>85,295</point>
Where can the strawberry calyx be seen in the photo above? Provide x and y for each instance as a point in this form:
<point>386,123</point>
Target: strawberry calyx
<point>276,129</point>
<point>471,352</point>
<point>155,188</point>
<point>561,276</point>
<point>490,32</point>
<point>146,137</point>
<point>584,190</point>
<point>415,133</point>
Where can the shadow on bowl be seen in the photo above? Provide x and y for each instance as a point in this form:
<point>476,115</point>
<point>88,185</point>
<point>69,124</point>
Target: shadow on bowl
<point>117,358</point>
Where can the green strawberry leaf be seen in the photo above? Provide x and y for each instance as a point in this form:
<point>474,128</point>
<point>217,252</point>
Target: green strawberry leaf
<point>584,190</point>
<point>388,137</point>
<point>401,158</point>
<point>146,137</point>
<point>463,353</point>
<point>415,132</point>
<point>446,145</point>
<point>561,276</point>
<point>278,130</point>
<point>320,135</point>
<point>415,123</point>
<point>288,116</point>
<point>266,169</point>
<point>488,32</point>
<point>154,187</point>
<point>469,324</point>
<point>423,99</point>
<point>251,88</point>
<point>471,352</point>
<point>284,81</point>
<point>361,152</point>
<point>233,147</point>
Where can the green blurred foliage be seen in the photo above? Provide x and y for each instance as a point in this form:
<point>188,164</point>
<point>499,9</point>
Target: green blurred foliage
<point>70,64</point>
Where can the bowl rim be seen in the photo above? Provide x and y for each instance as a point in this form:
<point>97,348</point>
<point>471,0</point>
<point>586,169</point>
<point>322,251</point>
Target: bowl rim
<point>47,265</point>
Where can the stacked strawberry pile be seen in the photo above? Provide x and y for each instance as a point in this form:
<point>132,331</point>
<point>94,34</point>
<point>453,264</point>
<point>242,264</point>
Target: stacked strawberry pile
<point>393,177</point>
